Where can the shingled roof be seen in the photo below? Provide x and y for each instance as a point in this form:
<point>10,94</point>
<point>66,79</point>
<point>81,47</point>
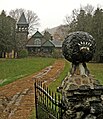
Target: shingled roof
<point>57,43</point>
<point>22,20</point>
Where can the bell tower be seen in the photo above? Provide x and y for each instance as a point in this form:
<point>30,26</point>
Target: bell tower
<point>22,32</point>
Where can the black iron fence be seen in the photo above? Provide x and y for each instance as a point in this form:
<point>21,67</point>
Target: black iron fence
<point>48,104</point>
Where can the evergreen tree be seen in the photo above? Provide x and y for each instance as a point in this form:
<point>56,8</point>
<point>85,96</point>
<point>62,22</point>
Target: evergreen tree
<point>47,35</point>
<point>81,22</point>
<point>7,32</point>
<point>97,32</point>
<point>91,22</point>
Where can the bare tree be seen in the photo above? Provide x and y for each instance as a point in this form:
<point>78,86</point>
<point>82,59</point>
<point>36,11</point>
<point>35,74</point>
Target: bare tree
<point>72,17</point>
<point>31,17</point>
<point>89,9</point>
<point>16,13</point>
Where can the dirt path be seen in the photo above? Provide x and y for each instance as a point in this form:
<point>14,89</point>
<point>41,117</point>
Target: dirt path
<point>17,98</point>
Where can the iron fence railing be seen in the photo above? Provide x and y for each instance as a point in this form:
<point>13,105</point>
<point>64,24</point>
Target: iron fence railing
<point>48,104</point>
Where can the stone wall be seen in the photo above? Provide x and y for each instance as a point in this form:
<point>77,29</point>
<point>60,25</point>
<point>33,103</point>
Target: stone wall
<point>82,98</point>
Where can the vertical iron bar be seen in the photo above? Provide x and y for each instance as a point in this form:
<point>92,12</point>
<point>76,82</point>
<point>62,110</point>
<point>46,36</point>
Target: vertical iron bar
<point>41,93</point>
<point>43,96</point>
<point>55,102</point>
<point>47,97</point>
<point>51,101</point>
<point>60,108</point>
<point>36,102</point>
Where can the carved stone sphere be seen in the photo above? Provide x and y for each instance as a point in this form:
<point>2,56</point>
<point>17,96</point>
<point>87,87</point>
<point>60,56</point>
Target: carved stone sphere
<point>78,47</point>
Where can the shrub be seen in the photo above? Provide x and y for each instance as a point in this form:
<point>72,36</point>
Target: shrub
<point>57,53</point>
<point>23,53</point>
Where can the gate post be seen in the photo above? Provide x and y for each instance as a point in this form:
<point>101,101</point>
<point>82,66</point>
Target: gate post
<point>82,95</point>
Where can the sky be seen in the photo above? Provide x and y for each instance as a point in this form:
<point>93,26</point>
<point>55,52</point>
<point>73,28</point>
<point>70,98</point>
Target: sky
<point>51,13</point>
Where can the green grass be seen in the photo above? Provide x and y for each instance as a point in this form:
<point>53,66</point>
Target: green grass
<point>96,69</point>
<point>53,86</point>
<point>13,69</point>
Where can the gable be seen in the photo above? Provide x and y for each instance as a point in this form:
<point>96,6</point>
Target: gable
<point>34,41</point>
<point>48,43</point>
<point>37,35</point>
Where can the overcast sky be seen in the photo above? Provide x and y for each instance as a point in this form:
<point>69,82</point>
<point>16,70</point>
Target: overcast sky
<point>51,12</point>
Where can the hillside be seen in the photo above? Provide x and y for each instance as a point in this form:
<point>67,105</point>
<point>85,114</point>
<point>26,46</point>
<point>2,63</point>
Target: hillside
<point>51,30</point>
<point>59,32</point>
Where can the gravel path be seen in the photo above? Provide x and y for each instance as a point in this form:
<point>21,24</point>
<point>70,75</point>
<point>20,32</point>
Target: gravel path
<point>17,98</point>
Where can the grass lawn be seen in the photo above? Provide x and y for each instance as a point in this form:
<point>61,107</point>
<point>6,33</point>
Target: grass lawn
<point>13,69</point>
<point>97,70</point>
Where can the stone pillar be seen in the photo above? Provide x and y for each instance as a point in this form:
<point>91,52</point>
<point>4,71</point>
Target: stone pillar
<point>82,94</point>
